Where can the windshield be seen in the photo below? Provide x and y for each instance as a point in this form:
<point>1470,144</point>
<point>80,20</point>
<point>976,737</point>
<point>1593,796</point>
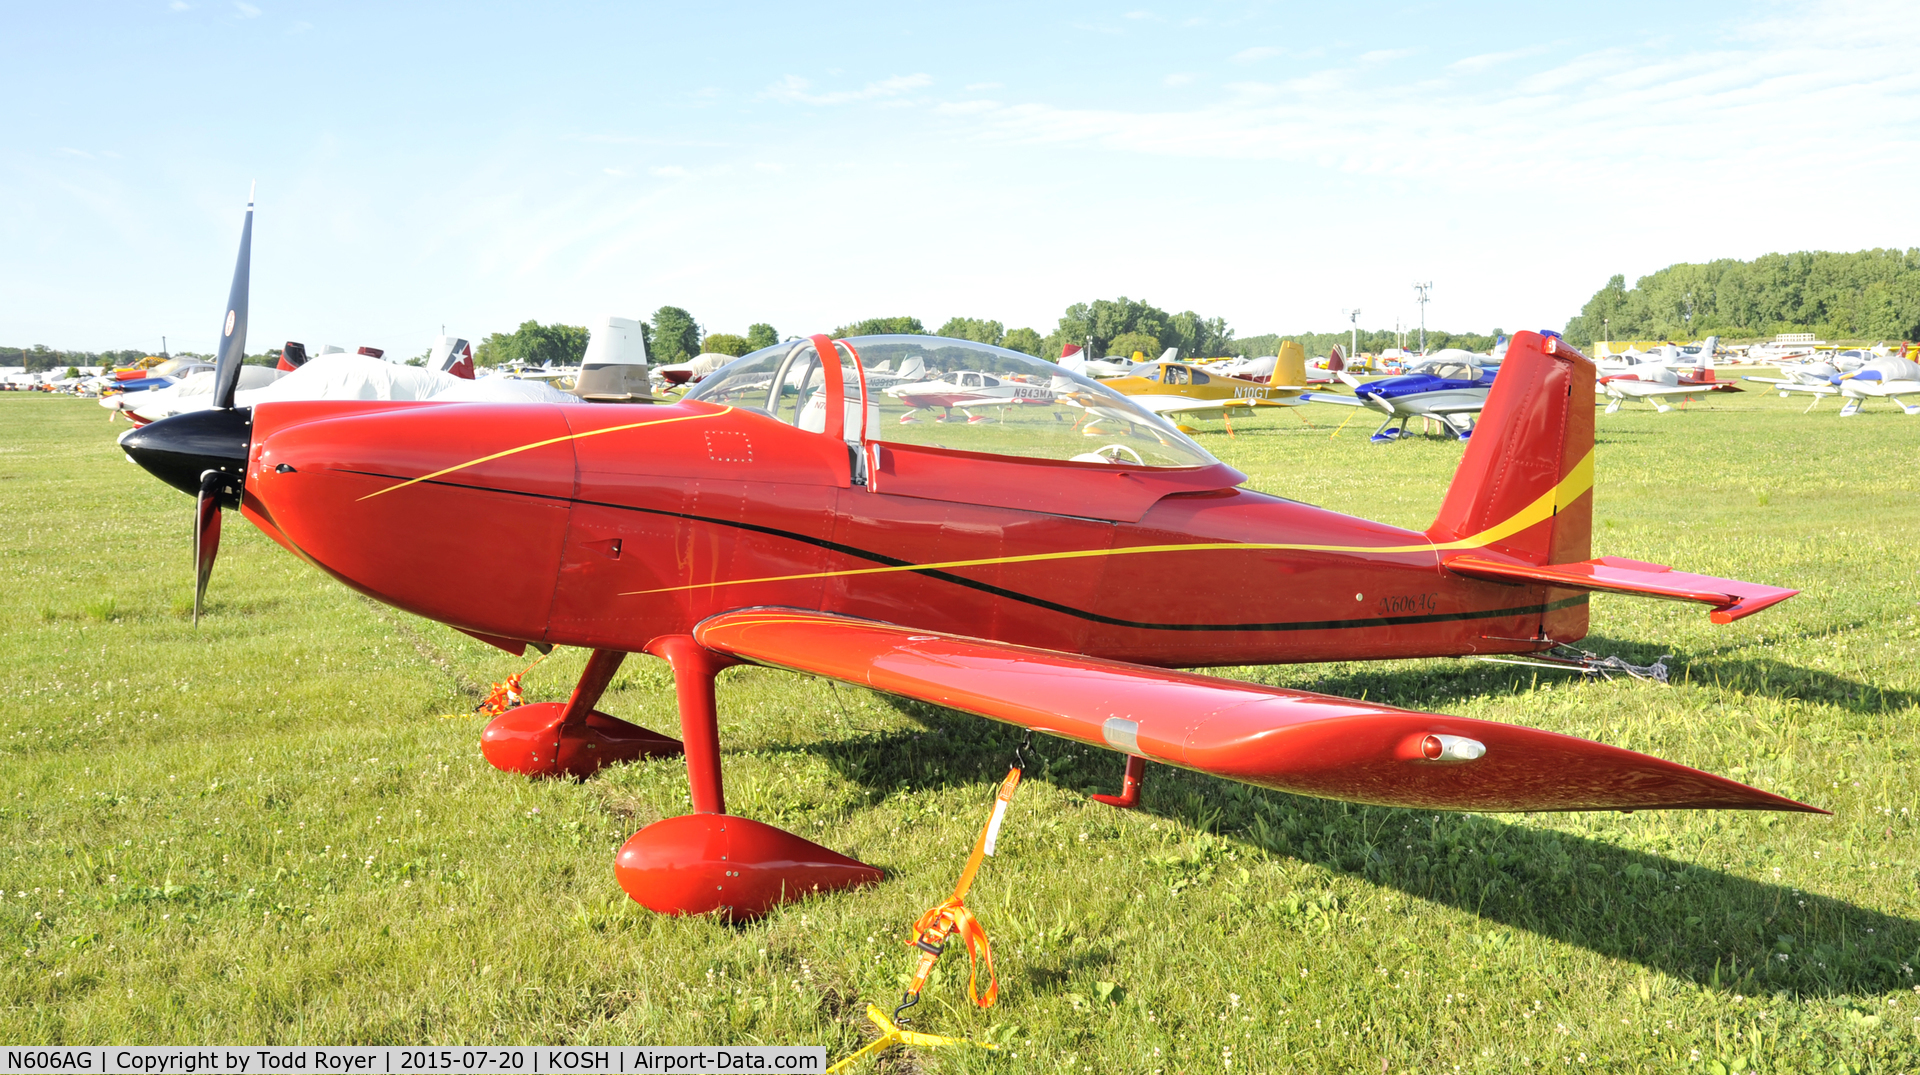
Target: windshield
<point>960,395</point>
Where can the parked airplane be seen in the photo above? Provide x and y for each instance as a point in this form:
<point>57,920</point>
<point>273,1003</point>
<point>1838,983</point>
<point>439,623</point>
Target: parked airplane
<point>1657,382</point>
<point>1881,378</point>
<point>1450,386</point>
<point>1185,390</point>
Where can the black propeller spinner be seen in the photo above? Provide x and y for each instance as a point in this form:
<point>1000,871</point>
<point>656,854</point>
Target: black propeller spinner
<point>205,452</point>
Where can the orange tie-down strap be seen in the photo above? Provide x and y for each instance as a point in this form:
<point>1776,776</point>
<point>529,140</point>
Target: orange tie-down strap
<point>954,917</point>
<point>931,931</point>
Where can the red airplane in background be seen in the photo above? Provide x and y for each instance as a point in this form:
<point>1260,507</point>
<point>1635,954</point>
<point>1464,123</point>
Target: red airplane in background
<point>781,515</point>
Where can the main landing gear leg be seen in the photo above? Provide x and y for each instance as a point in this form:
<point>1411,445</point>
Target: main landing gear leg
<point>1129,796</point>
<point>710,860</point>
<point>572,739</point>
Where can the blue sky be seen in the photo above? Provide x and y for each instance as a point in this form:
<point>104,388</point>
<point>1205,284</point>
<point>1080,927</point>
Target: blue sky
<point>1274,164</point>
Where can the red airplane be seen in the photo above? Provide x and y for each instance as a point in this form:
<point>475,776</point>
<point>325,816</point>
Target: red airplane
<point>999,569</point>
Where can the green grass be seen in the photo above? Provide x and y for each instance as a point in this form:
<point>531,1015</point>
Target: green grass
<point>264,829</point>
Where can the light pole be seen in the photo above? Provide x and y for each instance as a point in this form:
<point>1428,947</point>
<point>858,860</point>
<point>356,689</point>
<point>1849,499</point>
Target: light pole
<point>1423,289</point>
<point>1353,347</point>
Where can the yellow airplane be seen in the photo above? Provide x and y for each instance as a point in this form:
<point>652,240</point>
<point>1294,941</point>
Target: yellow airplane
<point>1188,390</point>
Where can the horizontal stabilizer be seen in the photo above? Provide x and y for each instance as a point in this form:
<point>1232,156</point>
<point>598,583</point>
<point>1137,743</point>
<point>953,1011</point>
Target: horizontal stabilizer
<point>1293,741</point>
<point>1730,598</point>
<point>1329,397</point>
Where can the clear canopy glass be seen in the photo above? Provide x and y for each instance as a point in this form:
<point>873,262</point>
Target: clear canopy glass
<point>955,394</point>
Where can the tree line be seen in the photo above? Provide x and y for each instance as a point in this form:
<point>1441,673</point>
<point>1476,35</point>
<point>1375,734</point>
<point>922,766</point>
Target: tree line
<point>1863,295</point>
<point>1119,327</point>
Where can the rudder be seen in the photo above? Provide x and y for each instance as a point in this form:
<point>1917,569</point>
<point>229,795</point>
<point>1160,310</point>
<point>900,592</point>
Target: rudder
<point>1524,486</point>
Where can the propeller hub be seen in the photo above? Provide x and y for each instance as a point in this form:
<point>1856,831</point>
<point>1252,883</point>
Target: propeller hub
<point>178,450</point>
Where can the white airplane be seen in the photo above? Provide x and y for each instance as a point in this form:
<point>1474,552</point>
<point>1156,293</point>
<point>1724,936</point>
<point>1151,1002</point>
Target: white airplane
<point>1847,376</point>
<point>1658,381</point>
<point>968,389</point>
<point>1074,359</point>
<point>1882,378</point>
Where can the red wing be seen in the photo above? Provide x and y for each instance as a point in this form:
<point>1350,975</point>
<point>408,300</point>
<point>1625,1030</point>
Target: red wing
<point>1731,599</point>
<point>1295,741</point>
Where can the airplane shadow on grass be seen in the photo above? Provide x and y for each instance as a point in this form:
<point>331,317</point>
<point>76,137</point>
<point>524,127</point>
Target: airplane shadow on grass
<point>1685,919</point>
<point>1430,686</point>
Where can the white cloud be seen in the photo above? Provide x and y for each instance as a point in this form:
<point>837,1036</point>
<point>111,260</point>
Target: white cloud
<point>72,152</point>
<point>985,86</point>
<point>1476,64</point>
<point>299,28</point>
<point>246,10</point>
<point>1181,79</point>
<point>1258,52</point>
<point>796,89</point>
<point>966,108</point>
<point>1384,55</point>
<point>1138,15</point>
<point>670,171</point>
<point>179,5</point>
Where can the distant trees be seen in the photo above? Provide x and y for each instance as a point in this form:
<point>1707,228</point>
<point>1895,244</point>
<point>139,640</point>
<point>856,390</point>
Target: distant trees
<point>882,326</point>
<point>1127,344</point>
<point>973,328</point>
<point>41,357</point>
<point>1104,319</point>
<point>1863,295</point>
<point>761,335</point>
<point>1026,341</point>
<point>535,344</point>
<point>724,343</point>
<point>674,336</point>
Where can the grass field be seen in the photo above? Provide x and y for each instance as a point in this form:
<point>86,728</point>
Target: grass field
<point>265,830</point>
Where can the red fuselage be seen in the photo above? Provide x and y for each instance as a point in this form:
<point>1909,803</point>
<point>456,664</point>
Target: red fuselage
<point>610,526</point>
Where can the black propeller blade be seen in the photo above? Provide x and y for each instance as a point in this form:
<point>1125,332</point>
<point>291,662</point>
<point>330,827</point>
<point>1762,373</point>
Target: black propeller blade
<point>233,331</point>
<point>214,486</point>
<point>205,452</point>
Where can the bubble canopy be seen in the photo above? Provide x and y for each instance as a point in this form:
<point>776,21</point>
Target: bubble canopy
<point>956,395</point>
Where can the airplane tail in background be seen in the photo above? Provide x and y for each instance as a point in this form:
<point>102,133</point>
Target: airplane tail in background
<point>451,355</point>
<point>1336,361</point>
<point>292,357</point>
<point>1707,348</point>
<point>1073,357</point>
<point>1290,369</point>
<point>1523,486</point>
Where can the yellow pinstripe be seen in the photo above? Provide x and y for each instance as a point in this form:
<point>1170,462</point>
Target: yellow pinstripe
<point>543,444</point>
<point>1549,503</point>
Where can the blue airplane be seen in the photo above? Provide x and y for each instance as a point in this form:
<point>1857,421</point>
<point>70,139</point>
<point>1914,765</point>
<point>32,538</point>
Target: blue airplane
<point>1449,385</point>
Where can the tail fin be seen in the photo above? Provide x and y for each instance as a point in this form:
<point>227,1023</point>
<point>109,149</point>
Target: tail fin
<point>451,354</point>
<point>1524,487</point>
<point>1336,361</point>
<point>1291,367</point>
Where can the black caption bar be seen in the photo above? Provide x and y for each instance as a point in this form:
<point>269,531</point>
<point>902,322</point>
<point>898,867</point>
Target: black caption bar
<point>413,1060</point>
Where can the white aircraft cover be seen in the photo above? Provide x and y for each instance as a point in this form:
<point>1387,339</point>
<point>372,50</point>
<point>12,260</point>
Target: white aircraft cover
<point>192,394</point>
<point>342,376</point>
